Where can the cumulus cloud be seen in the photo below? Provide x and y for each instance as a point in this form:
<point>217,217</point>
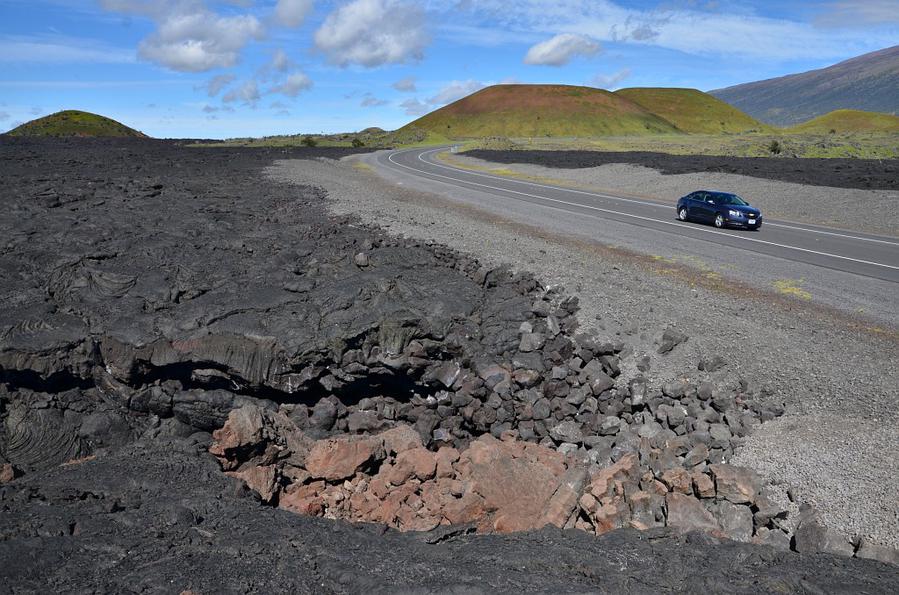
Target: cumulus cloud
<point>456,90</point>
<point>560,49</point>
<point>189,37</point>
<point>610,81</point>
<point>406,85</point>
<point>215,85</point>
<point>372,101</point>
<point>248,93</point>
<point>372,33</point>
<point>414,107</point>
<point>294,85</point>
<point>292,13</point>
<point>280,62</point>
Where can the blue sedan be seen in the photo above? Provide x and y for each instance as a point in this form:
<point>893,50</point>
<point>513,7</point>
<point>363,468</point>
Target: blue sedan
<point>721,209</point>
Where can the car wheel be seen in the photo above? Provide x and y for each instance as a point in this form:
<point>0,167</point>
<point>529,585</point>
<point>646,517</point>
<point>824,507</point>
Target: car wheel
<point>682,214</point>
<point>719,221</point>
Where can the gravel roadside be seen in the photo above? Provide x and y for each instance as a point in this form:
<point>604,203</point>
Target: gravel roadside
<point>870,211</point>
<point>827,373</point>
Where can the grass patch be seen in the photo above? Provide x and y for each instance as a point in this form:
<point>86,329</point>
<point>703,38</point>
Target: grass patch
<point>791,287</point>
<point>75,123</point>
<point>693,111</point>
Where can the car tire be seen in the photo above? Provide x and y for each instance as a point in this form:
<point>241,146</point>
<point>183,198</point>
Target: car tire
<point>683,214</point>
<point>719,221</point>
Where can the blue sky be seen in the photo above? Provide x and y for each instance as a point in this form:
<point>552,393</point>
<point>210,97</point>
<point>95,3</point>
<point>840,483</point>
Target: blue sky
<point>231,68</point>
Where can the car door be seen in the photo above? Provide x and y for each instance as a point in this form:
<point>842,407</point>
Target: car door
<point>705,206</point>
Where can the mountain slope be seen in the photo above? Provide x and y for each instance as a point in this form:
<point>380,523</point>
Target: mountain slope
<point>692,110</point>
<point>849,121</point>
<point>869,82</point>
<point>75,123</point>
<point>541,110</point>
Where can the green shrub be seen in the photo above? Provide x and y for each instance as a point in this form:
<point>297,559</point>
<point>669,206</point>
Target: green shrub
<point>358,143</point>
<point>309,141</point>
<point>774,147</point>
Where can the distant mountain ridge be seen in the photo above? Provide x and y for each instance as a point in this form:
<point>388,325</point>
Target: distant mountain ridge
<point>869,82</point>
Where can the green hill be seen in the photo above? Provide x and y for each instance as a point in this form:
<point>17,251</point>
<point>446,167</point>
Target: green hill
<point>519,111</point>
<point>75,123</point>
<point>844,121</point>
<point>692,111</point>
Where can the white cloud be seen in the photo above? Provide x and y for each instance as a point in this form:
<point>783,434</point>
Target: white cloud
<point>372,101</point>
<point>456,90</point>
<point>280,62</point>
<point>248,93</point>
<point>294,85</point>
<point>406,85</point>
<point>292,13</point>
<point>683,26</point>
<point>414,107</point>
<point>610,81</point>
<point>189,37</point>
<point>559,50</point>
<point>372,33</point>
<point>215,85</point>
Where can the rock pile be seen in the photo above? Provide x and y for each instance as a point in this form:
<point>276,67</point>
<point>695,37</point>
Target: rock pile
<point>496,485</point>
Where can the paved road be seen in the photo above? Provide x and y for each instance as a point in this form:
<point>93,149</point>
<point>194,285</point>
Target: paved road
<point>870,256</point>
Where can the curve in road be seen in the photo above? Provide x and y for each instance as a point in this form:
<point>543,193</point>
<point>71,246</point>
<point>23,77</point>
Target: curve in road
<point>859,253</point>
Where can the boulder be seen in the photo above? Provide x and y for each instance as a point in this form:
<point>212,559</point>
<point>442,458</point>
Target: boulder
<point>531,342</point>
<point>400,439</point>
<point>686,513</point>
<point>263,479</point>
<point>671,338</point>
<point>7,473</point>
<point>736,484</point>
<point>515,480</point>
<point>811,536</point>
<point>418,463</point>
<point>735,520</point>
<point>563,503</point>
<point>335,459</point>
<point>872,551</point>
<point>567,431</point>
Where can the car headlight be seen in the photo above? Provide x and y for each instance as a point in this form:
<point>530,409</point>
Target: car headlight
<point>735,213</point>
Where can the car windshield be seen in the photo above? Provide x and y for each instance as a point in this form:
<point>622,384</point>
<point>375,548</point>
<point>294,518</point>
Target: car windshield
<point>730,199</point>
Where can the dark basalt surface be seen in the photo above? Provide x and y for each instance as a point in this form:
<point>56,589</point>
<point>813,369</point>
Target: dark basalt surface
<point>157,517</point>
<point>147,289</point>
<point>877,174</point>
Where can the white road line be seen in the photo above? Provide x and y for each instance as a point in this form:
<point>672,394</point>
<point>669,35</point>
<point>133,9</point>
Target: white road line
<point>574,204</point>
<point>636,201</point>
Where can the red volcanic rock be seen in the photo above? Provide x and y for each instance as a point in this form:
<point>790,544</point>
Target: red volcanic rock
<point>736,484</point>
<point>7,473</point>
<point>304,499</point>
<point>340,458</point>
<point>242,431</point>
<point>419,463</point>
<point>515,479</point>
<point>610,480</point>
<point>400,439</point>
<point>678,479</point>
<point>262,479</point>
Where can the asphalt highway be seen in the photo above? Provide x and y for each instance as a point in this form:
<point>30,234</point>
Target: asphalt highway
<point>866,255</point>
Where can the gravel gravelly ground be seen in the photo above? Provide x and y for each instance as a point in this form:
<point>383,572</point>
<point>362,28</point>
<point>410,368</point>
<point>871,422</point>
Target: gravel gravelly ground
<point>871,211</point>
<point>820,367</point>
